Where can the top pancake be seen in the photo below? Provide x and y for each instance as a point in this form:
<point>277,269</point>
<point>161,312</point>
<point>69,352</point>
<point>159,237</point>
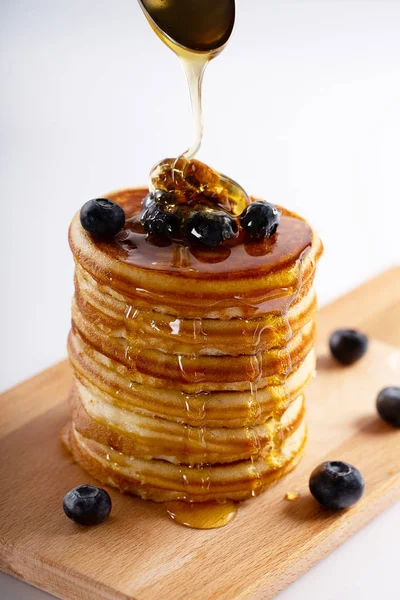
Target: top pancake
<point>240,279</point>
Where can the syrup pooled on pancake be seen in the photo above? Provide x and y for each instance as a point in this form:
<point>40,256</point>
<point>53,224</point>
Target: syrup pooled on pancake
<point>238,256</point>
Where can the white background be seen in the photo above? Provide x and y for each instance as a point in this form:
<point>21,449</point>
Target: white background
<point>302,108</point>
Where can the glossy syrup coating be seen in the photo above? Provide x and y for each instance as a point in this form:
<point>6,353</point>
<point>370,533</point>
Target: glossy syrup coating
<point>240,278</point>
<point>292,240</point>
<point>195,184</point>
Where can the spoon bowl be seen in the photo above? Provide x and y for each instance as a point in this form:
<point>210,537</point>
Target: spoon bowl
<point>200,26</point>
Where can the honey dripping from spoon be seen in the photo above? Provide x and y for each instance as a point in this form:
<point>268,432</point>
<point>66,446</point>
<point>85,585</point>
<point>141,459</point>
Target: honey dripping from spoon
<point>197,31</point>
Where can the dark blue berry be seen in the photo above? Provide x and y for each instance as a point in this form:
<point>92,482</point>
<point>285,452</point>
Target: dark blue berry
<point>159,222</point>
<point>148,201</point>
<point>348,345</point>
<point>336,484</point>
<point>102,217</point>
<point>87,505</point>
<point>210,228</point>
<point>260,220</point>
<point>388,405</point>
<point>164,198</point>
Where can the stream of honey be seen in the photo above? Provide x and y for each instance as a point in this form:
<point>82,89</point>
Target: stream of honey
<point>197,31</point>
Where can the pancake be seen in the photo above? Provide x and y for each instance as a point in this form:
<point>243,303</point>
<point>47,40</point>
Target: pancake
<point>187,335</point>
<point>198,373</point>
<point>161,480</point>
<point>107,378</point>
<point>249,279</point>
<point>190,363</point>
<point>151,437</point>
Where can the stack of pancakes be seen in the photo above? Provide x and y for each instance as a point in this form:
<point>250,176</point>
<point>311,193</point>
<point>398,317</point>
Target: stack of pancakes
<point>190,365</point>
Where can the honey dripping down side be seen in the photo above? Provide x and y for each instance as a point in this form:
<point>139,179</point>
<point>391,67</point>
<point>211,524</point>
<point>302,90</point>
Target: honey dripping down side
<point>212,514</point>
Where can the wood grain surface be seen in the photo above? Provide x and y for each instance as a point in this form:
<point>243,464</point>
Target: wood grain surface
<point>140,553</point>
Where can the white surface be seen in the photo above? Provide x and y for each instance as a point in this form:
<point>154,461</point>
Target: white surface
<point>302,108</point>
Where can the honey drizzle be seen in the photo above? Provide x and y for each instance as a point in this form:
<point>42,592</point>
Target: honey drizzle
<point>194,68</point>
<point>196,40</point>
<point>196,36</point>
<point>195,432</point>
<point>278,439</point>
<point>292,496</point>
<point>133,247</point>
<point>213,514</point>
<point>204,515</point>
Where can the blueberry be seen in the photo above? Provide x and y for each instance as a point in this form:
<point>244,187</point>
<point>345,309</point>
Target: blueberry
<point>348,345</point>
<point>210,228</point>
<point>336,484</point>
<point>102,217</point>
<point>157,221</point>
<point>388,405</point>
<point>164,198</point>
<point>260,219</point>
<point>148,201</point>
<point>87,505</point>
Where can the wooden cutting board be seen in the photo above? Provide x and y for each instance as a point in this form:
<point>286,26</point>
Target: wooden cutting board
<point>140,553</point>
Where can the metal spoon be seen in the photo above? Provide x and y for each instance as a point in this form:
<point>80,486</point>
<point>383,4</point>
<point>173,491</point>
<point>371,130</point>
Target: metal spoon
<point>201,26</point>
